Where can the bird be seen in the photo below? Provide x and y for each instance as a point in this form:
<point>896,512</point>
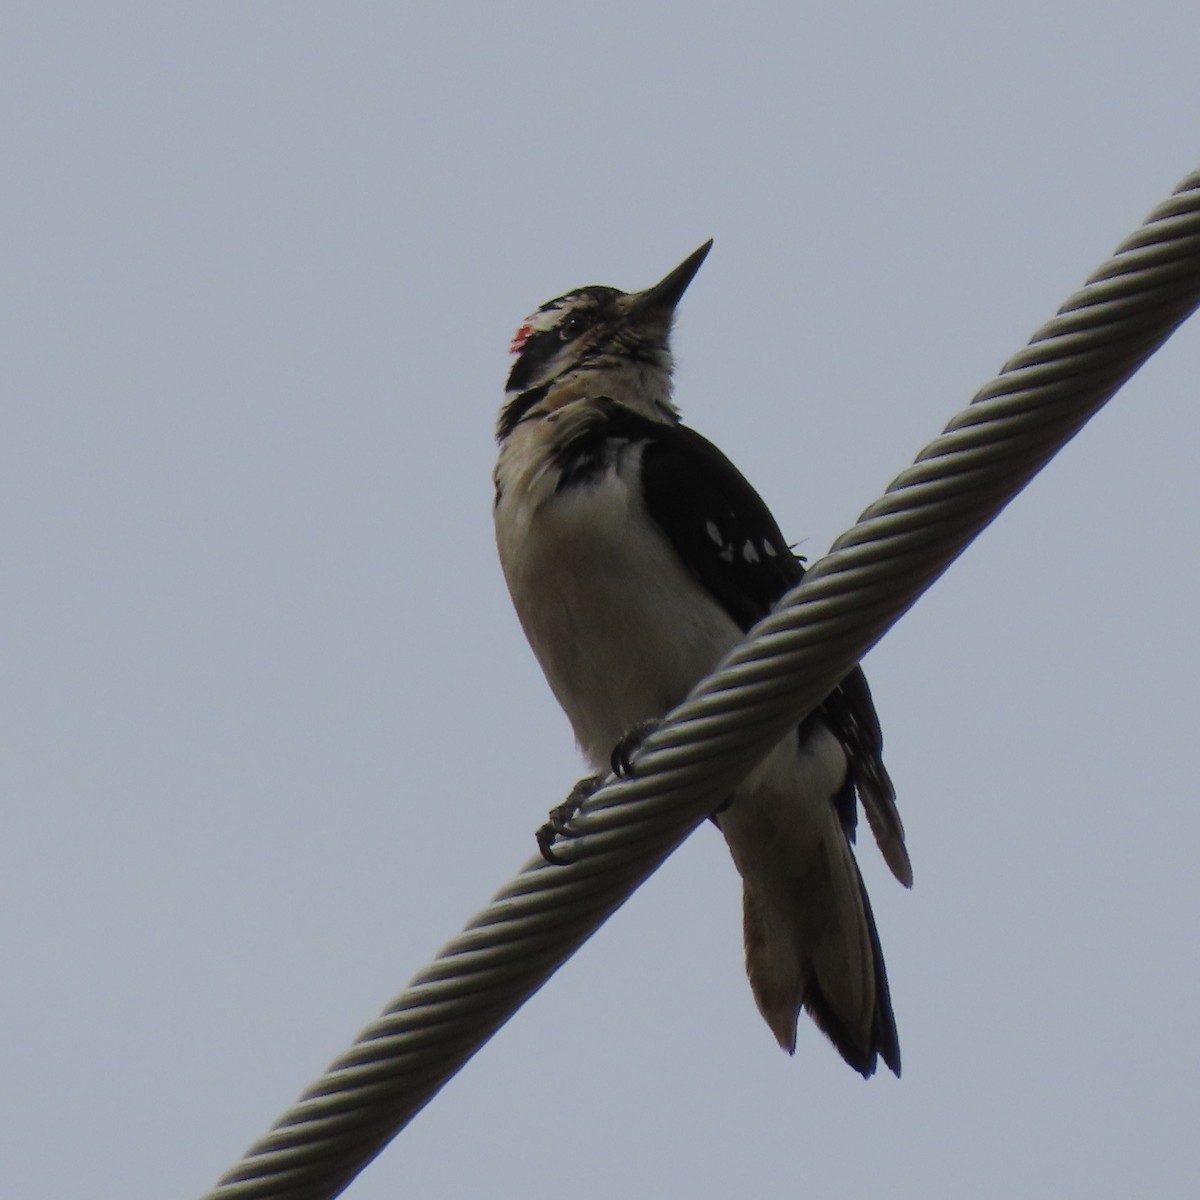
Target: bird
<point>637,555</point>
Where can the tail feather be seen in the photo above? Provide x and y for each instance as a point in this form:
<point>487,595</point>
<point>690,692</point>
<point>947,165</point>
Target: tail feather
<point>878,796</point>
<point>776,979</point>
<point>850,712</point>
<point>811,943</point>
<point>884,1041</point>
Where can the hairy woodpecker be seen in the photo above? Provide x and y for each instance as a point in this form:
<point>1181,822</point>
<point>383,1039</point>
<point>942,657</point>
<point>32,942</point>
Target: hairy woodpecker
<point>637,555</point>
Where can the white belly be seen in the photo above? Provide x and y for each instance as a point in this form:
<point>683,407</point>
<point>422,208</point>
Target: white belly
<point>620,629</point>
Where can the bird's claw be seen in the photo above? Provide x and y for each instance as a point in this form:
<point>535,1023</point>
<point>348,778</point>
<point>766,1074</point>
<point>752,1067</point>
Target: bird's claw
<point>629,745</point>
<point>558,824</point>
<point>560,816</point>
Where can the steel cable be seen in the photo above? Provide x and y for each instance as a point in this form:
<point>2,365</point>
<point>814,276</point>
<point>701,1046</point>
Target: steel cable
<point>787,665</point>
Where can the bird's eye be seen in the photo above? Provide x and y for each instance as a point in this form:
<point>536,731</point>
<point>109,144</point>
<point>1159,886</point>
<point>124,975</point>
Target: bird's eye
<point>572,327</point>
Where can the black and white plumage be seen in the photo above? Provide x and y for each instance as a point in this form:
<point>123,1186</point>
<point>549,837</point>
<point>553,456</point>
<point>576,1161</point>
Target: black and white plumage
<point>637,555</point>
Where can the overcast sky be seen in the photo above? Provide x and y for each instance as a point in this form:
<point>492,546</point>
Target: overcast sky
<point>270,732</point>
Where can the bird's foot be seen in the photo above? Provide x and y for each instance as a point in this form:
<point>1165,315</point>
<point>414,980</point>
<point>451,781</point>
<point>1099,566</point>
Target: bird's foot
<point>559,823</point>
<point>629,745</point>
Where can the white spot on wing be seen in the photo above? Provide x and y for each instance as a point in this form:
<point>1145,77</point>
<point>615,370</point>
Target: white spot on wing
<point>713,532</point>
<point>726,554</point>
<point>770,550</point>
<point>749,553</point>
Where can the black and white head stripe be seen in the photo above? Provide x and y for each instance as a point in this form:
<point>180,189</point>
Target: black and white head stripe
<point>556,324</point>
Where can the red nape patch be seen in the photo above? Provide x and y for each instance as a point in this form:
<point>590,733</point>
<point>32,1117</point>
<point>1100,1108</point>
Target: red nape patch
<point>520,338</point>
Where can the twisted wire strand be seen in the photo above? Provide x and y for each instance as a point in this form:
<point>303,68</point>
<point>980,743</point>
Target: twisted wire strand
<point>789,663</point>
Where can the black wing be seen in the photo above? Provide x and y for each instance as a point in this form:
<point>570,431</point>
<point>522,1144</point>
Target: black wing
<point>727,538</point>
<point>717,523</point>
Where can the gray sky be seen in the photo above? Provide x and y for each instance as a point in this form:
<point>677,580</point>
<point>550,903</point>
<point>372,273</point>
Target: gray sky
<point>270,732</point>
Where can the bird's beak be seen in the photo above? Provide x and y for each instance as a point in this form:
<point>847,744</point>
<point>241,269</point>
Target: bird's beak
<point>666,294</point>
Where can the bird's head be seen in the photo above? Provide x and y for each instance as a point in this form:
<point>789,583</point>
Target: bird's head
<point>601,341</point>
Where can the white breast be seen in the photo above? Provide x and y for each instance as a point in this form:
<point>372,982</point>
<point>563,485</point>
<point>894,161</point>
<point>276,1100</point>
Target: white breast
<point>621,630</point>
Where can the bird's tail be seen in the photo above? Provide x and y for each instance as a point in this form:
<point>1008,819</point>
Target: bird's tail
<point>811,943</point>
